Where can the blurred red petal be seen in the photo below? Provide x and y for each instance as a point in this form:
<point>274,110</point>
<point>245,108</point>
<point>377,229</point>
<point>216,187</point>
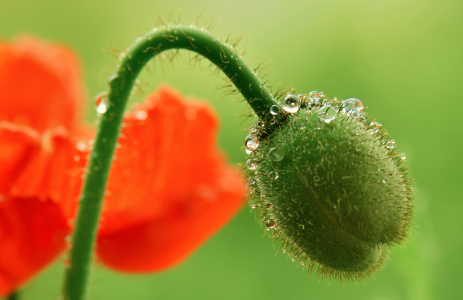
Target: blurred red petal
<point>19,144</point>
<point>40,85</point>
<point>55,171</point>
<point>32,235</point>
<point>169,188</point>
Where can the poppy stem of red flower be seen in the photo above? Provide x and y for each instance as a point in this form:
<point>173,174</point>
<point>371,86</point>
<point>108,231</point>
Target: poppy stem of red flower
<point>13,296</point>
<point>168,37</point>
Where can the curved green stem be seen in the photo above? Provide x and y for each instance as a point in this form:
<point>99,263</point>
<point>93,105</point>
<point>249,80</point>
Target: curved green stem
<point>121,83</point>
<point>13,296</point>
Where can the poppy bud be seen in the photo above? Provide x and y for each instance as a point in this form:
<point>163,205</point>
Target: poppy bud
<point>329,184</point>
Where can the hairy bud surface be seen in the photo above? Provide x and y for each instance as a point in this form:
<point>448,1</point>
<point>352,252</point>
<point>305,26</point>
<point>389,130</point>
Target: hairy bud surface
<point>329,184</point>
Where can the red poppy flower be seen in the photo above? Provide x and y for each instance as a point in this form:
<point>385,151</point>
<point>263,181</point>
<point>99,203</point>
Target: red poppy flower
<point>169,188</point>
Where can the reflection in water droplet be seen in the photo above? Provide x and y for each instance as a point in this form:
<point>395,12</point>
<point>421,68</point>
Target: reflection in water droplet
<point>270,224</point>
<point>101,102</point>
<point>352,107</point>
<point>291,104</point>
<point>251,181</point>
<point>253,206</point>
<point>275,154</point>
<point>251,143</point>
<point>403,156</point>
<point>270,205</point>
<point>274,109</point>
<point>390,144</point>
<point>251,164</point>
<point>375,125</point>
<point>293,259</point>
<point>327,113</point>
<point>314,97</point>
<point>284,250</point>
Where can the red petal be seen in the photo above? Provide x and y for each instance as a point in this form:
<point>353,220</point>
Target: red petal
<point>18,145</point>
<point>32,235</point>
<point>39,85</point>
<point>169,188</point>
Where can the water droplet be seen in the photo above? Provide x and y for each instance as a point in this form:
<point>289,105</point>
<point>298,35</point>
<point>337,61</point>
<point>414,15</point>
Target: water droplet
<point>384,180</point>
<point>274,109</point>
<point>269,205</point>
<point>251,143</point>
<point>190,114</point>
<point>253,206</point>
<point>276,176</point>
<point>302,263</point>
<point>251,164</point>
<point>284,250</point>
<point>327,113</point>
<point>275,154</point>
<point>101,102</point>
<point>352,107</point>
<point>253,129</point>
<point>81,146</point>
<point>390,144</point>
<point>251,181</point>
<point>270,224</point>
<point>291,104</point>
<point>403,156</point>
<point>260,125</point>
<point>293,259</point>
<point>141,115</point>
<point>314,97</point>
<point>376,125</point>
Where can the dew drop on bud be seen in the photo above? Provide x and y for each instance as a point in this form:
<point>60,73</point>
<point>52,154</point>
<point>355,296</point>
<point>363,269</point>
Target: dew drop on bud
<point>390,144</point>
<point>270,224</point>
<point>251,143</point>
<point>291,104</point>
<point>274,109</point>
<point>275,154</point>
<point>251,181</point>
<point>314,97</point>
<point>376,125</point>
<point>270,205</point>
<point>403,156</point>
<point>251,164</point>
<point>352,107</point>
<point>101,102</point>
<point>327,113</point>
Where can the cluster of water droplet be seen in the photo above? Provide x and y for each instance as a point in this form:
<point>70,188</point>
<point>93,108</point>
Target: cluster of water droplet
<point>312,106</point>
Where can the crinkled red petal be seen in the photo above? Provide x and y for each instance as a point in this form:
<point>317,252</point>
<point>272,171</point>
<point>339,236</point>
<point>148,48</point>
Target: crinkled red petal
<point>32,235</point>
<point>169,188</point>
<point>40,85</point>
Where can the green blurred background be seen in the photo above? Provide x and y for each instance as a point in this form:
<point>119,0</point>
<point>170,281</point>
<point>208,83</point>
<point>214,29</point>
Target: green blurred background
<point>402,58</point>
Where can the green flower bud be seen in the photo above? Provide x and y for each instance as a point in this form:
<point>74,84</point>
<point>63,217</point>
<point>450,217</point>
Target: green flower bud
<point>329,184</point>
